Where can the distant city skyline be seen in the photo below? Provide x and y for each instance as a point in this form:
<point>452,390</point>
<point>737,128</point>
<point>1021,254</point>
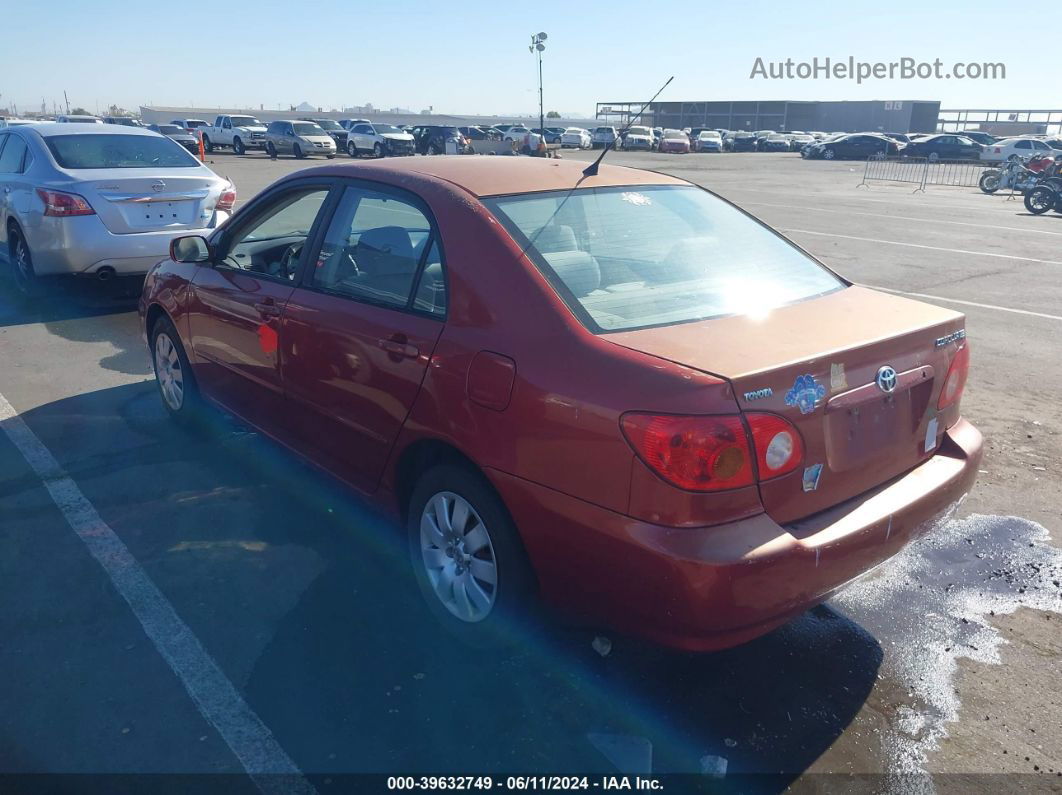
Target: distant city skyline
<point>476,62</point>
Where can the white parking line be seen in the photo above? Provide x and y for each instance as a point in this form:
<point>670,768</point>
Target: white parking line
<point>966,303</point>
<point>930,248</point>
<point>217,699</point>
<point>903,218</point>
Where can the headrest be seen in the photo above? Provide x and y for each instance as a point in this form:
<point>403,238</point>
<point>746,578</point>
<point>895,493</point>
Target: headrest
<point>577,269</point>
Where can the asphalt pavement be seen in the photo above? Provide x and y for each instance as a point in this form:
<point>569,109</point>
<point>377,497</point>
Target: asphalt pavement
<point>209,605</point>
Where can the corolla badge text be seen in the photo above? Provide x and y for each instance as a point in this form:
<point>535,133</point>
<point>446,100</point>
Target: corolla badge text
<point>805,394</point>
<point>955,336</point>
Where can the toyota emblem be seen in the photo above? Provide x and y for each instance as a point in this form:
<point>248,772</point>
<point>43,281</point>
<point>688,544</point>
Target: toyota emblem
<point>158,186</point>
<point>886,379</point>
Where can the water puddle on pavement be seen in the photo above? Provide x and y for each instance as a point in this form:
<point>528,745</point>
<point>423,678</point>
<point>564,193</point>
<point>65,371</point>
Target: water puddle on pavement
<point>933,604</point>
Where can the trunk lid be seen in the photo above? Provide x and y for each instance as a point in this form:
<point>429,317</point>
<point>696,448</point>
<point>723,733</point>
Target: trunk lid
<point>149,202</point>
<point>816,363</point>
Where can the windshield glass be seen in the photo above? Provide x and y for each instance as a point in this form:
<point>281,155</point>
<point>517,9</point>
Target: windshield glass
<point>624,258</point>
<point>306,128</point>
<point>245,121</point>
<point>639,131</point>
<point>118,151</point>
<point>674,134</point>
<point>382,129</point>
<point>328,124</point>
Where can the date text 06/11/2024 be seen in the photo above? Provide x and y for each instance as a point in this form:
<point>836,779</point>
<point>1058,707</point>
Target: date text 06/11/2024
<point>524,783</point>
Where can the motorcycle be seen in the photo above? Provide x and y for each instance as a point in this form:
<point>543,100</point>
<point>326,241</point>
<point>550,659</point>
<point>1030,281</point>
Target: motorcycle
<point>1043,198</point>
<point>1018,175</point>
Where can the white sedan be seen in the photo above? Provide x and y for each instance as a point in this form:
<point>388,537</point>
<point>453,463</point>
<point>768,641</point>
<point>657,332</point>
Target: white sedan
<point>1009,148</point>
<point>576,138</point>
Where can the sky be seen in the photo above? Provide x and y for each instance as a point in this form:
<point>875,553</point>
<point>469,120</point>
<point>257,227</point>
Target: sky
<point>472,57</point>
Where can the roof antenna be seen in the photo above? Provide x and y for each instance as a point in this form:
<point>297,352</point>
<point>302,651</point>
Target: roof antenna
<point>591,170</point>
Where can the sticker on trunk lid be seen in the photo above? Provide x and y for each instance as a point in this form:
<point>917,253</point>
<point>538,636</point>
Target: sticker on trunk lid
<point>931,435</point>
<point>811,477</point>
<point>838,380</point>
<point>805,394</point>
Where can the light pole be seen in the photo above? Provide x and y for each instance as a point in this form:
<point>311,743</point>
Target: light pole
<point>538,44</point>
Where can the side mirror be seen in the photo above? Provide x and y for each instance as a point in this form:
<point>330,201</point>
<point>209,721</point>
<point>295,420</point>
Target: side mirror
<point>190,248</point>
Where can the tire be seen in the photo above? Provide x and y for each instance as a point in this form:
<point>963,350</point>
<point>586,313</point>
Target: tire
<point>989,182</point>
<point>933,157</point>
<point>271,151</point>
<point>480,612</point>
<point>829,154</point>
<point>351,149</point>
<point>377,150</point>
<point>207,144</point>
<point>1040,199</point>
<point>20,259</point>
<point>297,151</point>
<point>173,375</point>
<point>330,157</point>
<point>237,146</point>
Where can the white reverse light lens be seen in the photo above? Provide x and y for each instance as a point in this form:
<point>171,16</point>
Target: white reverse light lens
<point>779,450</point>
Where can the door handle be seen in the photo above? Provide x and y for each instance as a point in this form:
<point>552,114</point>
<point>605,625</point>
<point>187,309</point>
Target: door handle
<point>400,347</point>
<point>268,309</point>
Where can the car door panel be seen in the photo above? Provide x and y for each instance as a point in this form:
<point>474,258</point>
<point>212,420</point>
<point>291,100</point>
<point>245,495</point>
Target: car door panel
<point>353,364</point>
<point>352,371</point>
<point>235,306</point>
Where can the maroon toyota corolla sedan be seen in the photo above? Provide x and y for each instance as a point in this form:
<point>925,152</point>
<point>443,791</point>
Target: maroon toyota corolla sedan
<point>616,394</point>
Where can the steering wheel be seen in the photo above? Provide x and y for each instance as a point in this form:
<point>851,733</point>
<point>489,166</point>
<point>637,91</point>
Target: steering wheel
<point>289,263</point>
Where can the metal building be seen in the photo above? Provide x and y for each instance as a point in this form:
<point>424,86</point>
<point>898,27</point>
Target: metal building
<point>859,116</point>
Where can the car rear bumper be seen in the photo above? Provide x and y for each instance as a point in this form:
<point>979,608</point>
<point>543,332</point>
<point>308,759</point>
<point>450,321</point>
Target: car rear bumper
<point>83,245</point>
<point>709,588</point>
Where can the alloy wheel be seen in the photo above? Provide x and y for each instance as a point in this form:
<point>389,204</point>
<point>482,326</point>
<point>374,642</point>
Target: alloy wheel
<point>458,557</point>
<point>22,265</point>
<point>168,371</point>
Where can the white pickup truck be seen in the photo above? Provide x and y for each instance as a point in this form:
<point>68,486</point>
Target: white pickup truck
<point>239,132</point>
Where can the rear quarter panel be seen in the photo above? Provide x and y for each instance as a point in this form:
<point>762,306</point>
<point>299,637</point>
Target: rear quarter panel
<point>561,427</point>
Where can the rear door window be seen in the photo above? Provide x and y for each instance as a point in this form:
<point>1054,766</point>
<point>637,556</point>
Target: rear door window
<point>11,156</point>
<point>374,251</point>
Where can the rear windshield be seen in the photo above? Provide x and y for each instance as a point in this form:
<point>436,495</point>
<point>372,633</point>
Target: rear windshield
<point>118,151</point>
<point>169,129</point>
<point>626,258</point>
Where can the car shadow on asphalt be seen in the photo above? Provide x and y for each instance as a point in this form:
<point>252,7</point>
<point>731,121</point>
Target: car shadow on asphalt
<point>352,674</point>
<point>91,302</point>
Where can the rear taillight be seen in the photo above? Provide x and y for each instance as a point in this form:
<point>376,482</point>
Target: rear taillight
<point>227,200</point>
<point>694,453</point>
<point>63,205</point>
<point>779,449</point>
<point>955,381</point>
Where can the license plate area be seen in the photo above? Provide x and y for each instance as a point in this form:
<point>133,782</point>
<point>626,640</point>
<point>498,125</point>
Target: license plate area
<point>158,214</point>
<point>858,433</point>
<point>866,423</point>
